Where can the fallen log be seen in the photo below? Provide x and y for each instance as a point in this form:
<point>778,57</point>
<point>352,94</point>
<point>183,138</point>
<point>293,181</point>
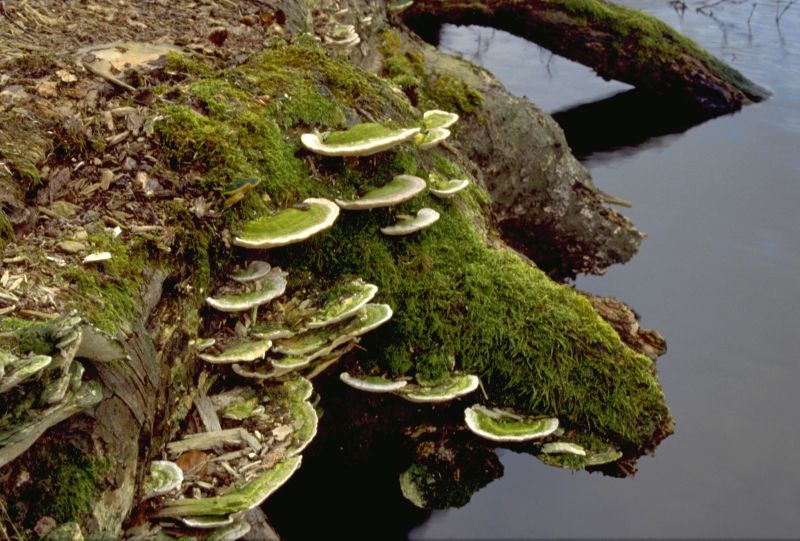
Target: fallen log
<point>617,42</point>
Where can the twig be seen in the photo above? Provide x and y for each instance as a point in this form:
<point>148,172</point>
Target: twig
<point>780,12</point>
<point>108,77</point>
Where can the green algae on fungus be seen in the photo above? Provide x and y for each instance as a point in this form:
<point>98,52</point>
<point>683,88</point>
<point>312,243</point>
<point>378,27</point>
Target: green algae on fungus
<point>372,384</point>
<point>400,188</point>
<point>289,225</point>
<point>563,447</point>
<point>342,304</point>
<point>270,287</point>
<point>360,140</point>
<point>436,118</point>
<point>504,426</point>
<point>407,224</point>
<point>449,387</point>
<point>241,351</point>
<point>164,477</point>
<point>431,138</point>
<point>444,188</point>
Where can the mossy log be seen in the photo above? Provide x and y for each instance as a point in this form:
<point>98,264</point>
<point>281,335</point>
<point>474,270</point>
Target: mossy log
<point>617,42</point>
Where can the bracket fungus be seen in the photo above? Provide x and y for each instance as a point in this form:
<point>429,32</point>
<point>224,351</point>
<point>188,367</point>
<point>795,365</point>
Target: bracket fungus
<point>230,532</point>
<point>15,440</point>
<point>563,447</point>
<point>436,118</point>
<point>236,190</point>
<point>452,386</point>
<point>349,300</point>
<point>360,140</point>
<point>208,522</point>
<point>372,384</point>
<point>288,226</point>
<point>164,477</point>
<point>431,138</point>
<point>369,318</point>
<point>271,286</point>
<point>400,188</point>
<point>21,369</point>
<point>342,36</point>
<point>255,270</point>
<point>235,499</point>
<point>241,351</point>
<point>505,426</point>
<point>407,224</point>
<point>446,189</point>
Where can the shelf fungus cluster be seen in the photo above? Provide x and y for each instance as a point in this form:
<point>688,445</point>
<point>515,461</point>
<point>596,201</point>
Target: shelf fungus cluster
<point>56,377</point>
<point>249,443</point>
<point>449,387</point>
<point>434,128</point>
<point>446,188</point>
<point>504,426</point>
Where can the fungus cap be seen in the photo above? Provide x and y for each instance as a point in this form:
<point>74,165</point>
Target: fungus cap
<point>288,226</point>
<point>360,140</point>
<point>372,384</point>
<point>164,477</point>
<point>453,386</point>
<point>272,286</point>
<point>242,351</point>
<point>256,270</point>
<point>563,448</point>
<point>352,299</point>
<point>406,224</point>
<point>502,426</point>
<point>448,188</point>
<point>436,118</point>
<point>234,499</point>
<point>400,188</point>
<point>433,137</point>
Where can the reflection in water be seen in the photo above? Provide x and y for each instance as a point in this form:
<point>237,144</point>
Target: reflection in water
<point>624,123</point>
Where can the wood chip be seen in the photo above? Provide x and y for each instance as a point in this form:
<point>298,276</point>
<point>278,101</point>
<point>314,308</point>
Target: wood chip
<point>97,256</point>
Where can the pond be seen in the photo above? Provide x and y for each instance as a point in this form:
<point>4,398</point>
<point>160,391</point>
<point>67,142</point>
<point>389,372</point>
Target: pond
<point>717,275</point>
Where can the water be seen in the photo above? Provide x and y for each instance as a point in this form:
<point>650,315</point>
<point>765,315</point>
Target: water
<point>717,275</point>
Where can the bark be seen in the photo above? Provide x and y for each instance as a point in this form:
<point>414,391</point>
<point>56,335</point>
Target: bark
<point>617,42</point>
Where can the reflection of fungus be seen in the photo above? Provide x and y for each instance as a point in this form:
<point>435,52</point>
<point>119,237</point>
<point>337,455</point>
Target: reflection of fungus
<point>505,426</point>
<point>289,225</point>
<point>372,384</point>
<point>400,188</point>
<point>163,478</point>
<point>436,118</point>
<point>407,225</point>
<point>450,387</point>
<point>360,140</point>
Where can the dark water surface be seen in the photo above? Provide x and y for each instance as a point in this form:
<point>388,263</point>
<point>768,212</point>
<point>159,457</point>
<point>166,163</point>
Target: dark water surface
<point>718,275</point>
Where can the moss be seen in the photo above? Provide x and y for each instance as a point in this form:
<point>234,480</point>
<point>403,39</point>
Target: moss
<point>66,482</point>
<point>6,230</point>
<point>106,293</point>
<point>637,33</point>
<point>538,346</point>
<point>406,69</point>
